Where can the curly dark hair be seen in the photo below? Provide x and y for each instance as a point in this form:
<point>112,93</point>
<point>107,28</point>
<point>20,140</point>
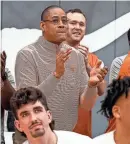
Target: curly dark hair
<point>115,90</point>
<point>26,95</point>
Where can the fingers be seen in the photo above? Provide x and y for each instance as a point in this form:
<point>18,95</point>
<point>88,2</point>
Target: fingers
<point>105,70</point>
<point>98,64</point>
<point>67,53</point>
<point>83,47</point>
<point>3,59</point>
<point>100,77</point>
<point>65,59</point>
<point>63,56</point>
<point>69,50</point>
<point>83,50</point>
<point>4,54</point>
<point>65,50</point>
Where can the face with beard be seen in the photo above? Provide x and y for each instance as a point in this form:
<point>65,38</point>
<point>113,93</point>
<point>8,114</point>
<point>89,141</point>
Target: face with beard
<point>76,27</point>
<point>33,119</point>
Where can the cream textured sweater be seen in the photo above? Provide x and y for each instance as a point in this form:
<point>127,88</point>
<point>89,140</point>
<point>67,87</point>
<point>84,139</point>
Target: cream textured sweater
<point>35,65</point>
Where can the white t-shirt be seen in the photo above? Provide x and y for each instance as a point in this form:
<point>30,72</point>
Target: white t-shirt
<point>67,137</point>
<point>8,137</point>
<point>107,138</point>
<point>115,67</point>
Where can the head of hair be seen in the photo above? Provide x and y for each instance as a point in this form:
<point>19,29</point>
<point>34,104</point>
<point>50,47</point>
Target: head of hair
<point>46,11</point>
<point>119,87</point>
<point>76,11</point>
<point>128,35</point>
<point>25,96</point>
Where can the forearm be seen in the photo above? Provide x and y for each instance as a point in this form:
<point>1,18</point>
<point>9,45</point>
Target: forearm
<point>49,85</point>
<point>6,93</point>
<point>101,88</point>
<point>88,98</point>
<point>26,75</point>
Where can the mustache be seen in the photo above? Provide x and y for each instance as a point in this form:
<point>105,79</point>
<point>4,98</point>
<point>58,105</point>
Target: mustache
<point>34,123</point>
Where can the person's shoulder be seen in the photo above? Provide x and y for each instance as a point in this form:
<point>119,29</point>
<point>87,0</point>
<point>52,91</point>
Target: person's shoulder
<point>28,49</point>
<point>74,137</point>
<point>118,60</point>
<point>93,59</point>
<point>93,55</point>
<point>106,138</point>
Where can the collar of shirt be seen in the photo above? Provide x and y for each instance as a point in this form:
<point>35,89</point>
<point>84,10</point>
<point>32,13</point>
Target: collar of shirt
<point>48,45</point>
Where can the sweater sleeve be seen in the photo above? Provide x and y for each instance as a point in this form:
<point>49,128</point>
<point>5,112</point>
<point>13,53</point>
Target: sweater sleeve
<point>26,74</point>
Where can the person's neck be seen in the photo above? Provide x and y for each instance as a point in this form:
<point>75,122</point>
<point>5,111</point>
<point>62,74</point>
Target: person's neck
<point>53,42</point>
<point>48,138</point>
<point>122,135</point>
<point>73,44</point>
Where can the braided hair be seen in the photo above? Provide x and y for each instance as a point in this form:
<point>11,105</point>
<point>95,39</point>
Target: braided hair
<point>115,90</point>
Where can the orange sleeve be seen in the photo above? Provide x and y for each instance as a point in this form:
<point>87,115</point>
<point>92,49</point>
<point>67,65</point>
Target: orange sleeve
<point>92,59</point>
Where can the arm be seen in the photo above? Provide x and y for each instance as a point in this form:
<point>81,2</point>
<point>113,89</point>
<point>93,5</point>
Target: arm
<point>97,75</point>
<point>102,86</point>
<point>88,95</point>
<point>6,80</point>
<point>7,90</point>
<point>26,74</point>
<point>6,93</point>
<point>88,98</point>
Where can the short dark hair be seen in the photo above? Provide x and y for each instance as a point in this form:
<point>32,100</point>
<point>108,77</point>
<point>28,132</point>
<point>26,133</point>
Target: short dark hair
<point>27,95</point>
<point>46,10</point>
<point>128,35</point>
<point>115,90</point>
<point>76,11</point>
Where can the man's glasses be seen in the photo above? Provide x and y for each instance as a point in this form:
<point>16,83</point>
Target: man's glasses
<point>57,21</point>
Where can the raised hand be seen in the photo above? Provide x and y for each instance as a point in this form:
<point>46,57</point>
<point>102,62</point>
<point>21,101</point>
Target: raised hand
<point>61,58</point>
<point>97,74</point>
<point>84,50</point>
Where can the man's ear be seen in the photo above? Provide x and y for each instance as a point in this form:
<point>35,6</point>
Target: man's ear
<point>17,125</point>
<point>116,111</point>
<point>42,26</point>
<point>49,116</point>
